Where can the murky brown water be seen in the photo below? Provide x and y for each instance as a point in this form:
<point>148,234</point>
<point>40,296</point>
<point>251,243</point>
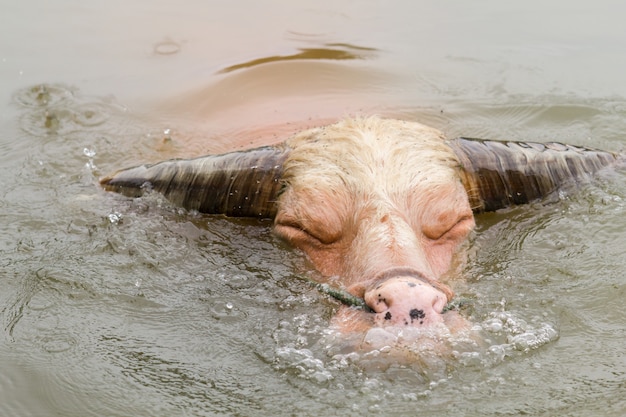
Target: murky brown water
<point>118,307</point>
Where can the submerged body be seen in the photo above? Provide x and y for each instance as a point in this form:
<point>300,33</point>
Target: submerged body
<point>379,206</point>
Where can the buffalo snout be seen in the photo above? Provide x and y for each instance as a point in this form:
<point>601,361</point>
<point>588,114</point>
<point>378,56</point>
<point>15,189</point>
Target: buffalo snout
<point>406,300</point>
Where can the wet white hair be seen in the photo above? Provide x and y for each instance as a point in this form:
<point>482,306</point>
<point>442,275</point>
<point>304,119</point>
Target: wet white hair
<point>364,155</point>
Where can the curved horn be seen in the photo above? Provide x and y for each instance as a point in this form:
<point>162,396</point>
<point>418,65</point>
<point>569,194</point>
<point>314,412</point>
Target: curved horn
<point>500,174</point>
<point>239,184</point>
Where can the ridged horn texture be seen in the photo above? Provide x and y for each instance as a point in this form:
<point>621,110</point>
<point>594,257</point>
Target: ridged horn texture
<point>501,174</point>
<point>238,184</point>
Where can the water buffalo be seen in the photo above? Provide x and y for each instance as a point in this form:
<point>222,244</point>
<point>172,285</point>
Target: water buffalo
<point>379,206</point>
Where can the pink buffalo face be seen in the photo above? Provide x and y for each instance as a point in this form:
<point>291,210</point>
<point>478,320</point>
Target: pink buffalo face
<point>391,256</point>
<point>383,218</point>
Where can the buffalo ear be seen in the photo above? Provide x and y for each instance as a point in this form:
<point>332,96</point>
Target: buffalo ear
<point>239,184</point>
<point>501,174</point>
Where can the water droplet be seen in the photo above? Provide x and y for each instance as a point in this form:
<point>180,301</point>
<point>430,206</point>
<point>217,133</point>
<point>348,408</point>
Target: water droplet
<point>115,217</point>
<point>167,135</point>
<point>89,153</point>
<point>229,305</point>
<point>138,283</point>
<point>90,165</point>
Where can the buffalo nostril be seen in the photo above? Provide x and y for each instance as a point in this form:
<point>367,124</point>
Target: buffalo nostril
<point>417,314</point>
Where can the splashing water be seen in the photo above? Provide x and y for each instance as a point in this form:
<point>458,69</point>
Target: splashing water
<point>319,354</point>
<point>89,153</point>
<point>167,135</point>
<point>520,335</point>
<point>115,217</point>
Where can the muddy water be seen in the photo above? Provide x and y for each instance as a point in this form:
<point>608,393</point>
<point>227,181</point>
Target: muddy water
<point>118,307</point>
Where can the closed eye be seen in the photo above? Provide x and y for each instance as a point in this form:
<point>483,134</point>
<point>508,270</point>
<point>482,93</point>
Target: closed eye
<point>293,230</point>
<point>460,228</point>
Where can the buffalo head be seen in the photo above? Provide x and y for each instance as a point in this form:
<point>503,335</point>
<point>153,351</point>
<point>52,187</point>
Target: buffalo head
<point>379,206</point>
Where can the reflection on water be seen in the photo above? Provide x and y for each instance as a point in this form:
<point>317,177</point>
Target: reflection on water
<point>275,98</point>
<point>336,51</point>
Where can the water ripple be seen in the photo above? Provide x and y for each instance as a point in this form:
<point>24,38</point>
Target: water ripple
<point>64,119</point>
<point>44,95</point>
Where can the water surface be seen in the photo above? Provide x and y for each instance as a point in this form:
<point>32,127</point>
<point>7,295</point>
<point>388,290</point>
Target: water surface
<point>112,306</point>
